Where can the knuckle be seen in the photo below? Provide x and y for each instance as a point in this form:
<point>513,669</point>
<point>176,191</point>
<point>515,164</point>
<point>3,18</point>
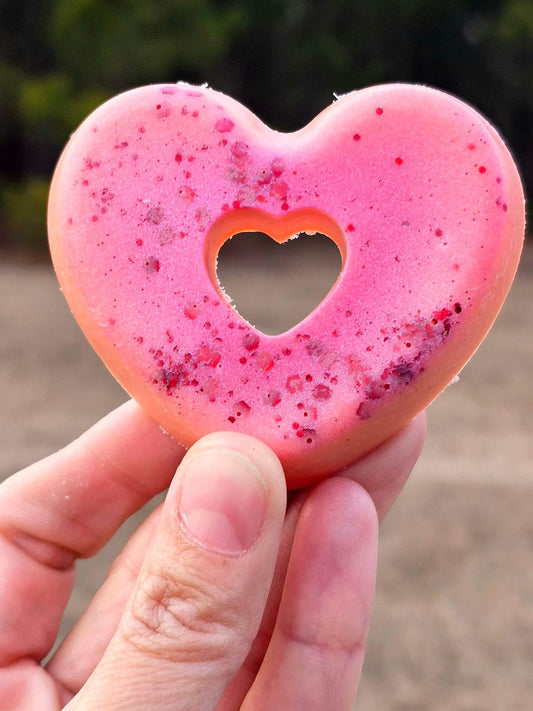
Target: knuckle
<point>186,620</point>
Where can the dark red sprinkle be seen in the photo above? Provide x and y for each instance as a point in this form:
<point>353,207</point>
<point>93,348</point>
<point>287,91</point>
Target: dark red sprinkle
<point>273,397</point>
<point>151,264</point>
<point>356,137</point>
<point>224,125</point>
<point>379,111</point>
<point>264,361</point>
<point>250,341</point>
<point>294,383</point>
<point>321,392</point>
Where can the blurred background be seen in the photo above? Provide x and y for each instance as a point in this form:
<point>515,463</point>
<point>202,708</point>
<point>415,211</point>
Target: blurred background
<point>453,626</point>
<point>284,59</point>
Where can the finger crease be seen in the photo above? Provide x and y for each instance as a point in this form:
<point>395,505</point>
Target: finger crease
<point>44,552</point>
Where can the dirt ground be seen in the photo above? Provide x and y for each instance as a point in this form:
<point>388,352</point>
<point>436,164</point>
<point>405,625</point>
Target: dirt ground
<point>453,624</point>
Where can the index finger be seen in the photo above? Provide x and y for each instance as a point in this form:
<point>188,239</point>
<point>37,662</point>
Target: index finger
<point>68,506</point>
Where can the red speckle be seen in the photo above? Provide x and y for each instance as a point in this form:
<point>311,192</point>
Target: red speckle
<point>224,125</point>
<point>438,232</point>
<point>209,356</point>
<point>379,111</point>
<point>441,315</point>
<point>242,408</point>
<point>471,146</point>
<point>186,193</point>
<point>243,360</point>
<point>85,182</point>
<point>364,411</point>
<point>264,177</point>
<point>168,235</point>
<point>151,265</point>
<point>277,167</point>
<point>321,392</point>
<point>94,218</point>
<point>309,377</point>
<point>260,198</point>
<point>356,137</point>
<point>264,361</point>
<point>211,389</point>
<point>314,348</point>
<point>294,383</point>
<point>140,339</point>
<point>231,419</point>
<point>155,215</point>
<point>273,397</point>
<point>192,309</point>
<point>163,110</point>
<point>284,206</point>
<point>351,228</point>
<point>178,157</point>
<point>398,160</point>
<point>250,341</point>
<point>482,169</point>
<point>236,204</point>
<point>239,150</point>
<point>295,426</point>
<point>498,180</point>
<point>504,207</point>
<point>194,114</point>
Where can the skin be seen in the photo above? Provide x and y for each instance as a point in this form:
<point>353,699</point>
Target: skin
<point>180,619</point>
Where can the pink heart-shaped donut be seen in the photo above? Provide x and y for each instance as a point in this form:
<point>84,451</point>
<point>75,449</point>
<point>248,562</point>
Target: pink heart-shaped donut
<point>418,191</point>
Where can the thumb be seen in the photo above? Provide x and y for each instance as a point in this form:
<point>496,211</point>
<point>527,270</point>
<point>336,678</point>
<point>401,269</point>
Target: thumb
<point>203,585</point>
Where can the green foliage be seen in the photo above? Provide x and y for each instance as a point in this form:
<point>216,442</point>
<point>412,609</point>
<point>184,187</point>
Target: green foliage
<point>50,109</point>
<point>132,42</point>
<point>285,59</point>
<point>24,209</point>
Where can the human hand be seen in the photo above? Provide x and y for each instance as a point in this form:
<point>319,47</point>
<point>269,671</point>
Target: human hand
<point>223,599</point>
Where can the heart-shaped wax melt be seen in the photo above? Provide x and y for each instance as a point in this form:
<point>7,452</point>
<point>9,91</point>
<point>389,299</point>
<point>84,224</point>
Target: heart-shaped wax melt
<point>419,193</point>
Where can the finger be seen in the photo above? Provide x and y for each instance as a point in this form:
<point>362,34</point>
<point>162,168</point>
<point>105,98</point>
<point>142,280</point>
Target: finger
<point>84,646</point>
<point>201,591</point>
<point>69,505</point>
<point>316,652</point>
<point>384,471</point>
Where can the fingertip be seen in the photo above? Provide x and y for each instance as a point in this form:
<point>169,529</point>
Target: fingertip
<point>384,471</point>
<point>259,454</point>
<point>341,508</point>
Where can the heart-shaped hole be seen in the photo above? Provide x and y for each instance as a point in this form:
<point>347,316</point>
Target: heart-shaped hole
<point>275,285</point>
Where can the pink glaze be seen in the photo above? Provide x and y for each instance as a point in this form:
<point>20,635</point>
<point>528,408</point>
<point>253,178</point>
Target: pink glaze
<point>416,188</point>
